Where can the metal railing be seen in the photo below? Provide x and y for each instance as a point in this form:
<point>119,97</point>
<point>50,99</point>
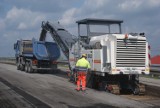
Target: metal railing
<point>154,69</point>
<point>8,60</point>
<point>12,60</point>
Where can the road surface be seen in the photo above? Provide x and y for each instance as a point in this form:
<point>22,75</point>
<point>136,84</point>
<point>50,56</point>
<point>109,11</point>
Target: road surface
<point>53,90</point>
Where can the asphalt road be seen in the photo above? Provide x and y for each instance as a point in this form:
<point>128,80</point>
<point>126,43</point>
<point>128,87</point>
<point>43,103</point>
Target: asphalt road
<point>53,90</point>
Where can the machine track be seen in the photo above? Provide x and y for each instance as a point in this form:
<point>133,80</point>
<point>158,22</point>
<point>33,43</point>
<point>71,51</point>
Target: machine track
<point>113,88</point>
<point>141,88</point>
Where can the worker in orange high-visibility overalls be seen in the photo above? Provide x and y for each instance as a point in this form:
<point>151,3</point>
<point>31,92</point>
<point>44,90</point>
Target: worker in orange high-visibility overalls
<point>82,67</point>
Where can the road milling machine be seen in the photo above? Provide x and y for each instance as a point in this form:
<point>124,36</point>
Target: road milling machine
<point>116,59</point>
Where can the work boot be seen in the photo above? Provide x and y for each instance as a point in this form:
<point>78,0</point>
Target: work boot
<point>83,90</point>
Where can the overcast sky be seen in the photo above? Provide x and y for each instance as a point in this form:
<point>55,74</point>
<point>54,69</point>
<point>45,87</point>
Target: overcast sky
<point>21,19</point>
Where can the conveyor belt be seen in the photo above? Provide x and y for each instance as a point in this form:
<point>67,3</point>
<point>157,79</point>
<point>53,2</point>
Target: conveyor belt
<point>61,36</point>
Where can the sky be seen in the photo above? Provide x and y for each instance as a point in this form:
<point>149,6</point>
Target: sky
<point>21,19</point>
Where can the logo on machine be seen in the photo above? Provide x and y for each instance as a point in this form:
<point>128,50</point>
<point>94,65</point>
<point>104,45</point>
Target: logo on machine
<point>131,70</point>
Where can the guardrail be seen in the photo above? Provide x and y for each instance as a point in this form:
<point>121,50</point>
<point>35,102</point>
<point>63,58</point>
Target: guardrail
<point>155,68</point>
<point>12,60</point>
<point>8,60</point>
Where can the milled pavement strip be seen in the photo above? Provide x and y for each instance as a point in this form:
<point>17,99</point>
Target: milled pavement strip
<point>10,99</point>
<point>32,101</point>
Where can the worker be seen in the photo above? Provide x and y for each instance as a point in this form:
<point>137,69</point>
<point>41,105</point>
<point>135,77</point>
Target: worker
<point>82,66</point>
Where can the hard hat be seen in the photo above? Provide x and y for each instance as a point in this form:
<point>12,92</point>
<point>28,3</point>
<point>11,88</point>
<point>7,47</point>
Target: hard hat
<point>84,55</point>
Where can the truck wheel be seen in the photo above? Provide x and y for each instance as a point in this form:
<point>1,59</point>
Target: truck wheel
<point>18,67</point>
<point>26,67</point>
<point>22,67</point>
<point>18,64</point>
<point>30,70</point>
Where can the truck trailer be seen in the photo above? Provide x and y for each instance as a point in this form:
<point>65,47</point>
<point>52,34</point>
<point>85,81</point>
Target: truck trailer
<point>32,56</point>
<point>116,59</point>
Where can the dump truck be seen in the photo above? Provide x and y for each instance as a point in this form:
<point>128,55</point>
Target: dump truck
<point>116,59</point>
<point>32,56</point>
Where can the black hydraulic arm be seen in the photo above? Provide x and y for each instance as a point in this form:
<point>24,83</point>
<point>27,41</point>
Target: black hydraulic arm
<point>56,34</point>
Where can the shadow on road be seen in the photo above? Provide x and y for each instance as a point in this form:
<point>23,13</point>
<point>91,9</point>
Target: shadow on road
<point>57,72</point>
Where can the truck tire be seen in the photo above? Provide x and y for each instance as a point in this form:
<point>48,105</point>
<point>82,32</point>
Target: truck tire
<point>30,70</point>
<point>18,67</point>
<point>26,67</point>
<point>22,67</point>
<point>17,64</point>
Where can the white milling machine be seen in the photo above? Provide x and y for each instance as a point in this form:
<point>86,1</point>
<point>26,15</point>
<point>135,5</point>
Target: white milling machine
<point>116,59</point>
